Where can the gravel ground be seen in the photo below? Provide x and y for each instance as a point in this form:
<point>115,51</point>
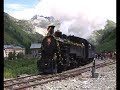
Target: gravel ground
<point>106,81</point>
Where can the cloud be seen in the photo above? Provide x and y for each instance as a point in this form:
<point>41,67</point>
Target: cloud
<point>15,6</point>
<point>78,17</point>
<point>23,14</point>
<point>67,9</point>
<point>19,11</point>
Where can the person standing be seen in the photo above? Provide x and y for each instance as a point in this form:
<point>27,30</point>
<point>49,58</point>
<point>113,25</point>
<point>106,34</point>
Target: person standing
<point>50,30</point>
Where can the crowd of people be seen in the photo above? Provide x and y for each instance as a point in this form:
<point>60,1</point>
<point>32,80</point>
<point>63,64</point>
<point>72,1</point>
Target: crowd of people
<point>106,55</point>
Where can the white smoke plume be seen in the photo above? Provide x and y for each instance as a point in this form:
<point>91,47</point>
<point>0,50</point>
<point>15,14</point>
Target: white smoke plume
<point>78,17</point>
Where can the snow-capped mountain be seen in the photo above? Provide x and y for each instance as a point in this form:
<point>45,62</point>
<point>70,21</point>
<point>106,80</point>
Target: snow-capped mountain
<point>36,24</point>
<point>41,23</point>
<point>38,17</point>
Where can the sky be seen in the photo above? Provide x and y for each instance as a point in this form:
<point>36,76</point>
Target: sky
<point>20,9</point>
<point>78,17</point>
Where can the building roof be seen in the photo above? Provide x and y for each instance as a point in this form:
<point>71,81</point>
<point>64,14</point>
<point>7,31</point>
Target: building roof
<point>35,45</point>
<point>12,47</point>
<point>8,46</point>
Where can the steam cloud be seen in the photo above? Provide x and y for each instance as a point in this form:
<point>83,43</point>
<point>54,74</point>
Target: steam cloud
<point>79,17</point>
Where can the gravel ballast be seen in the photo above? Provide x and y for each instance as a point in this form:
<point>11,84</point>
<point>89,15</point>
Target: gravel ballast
<point>106,80</point>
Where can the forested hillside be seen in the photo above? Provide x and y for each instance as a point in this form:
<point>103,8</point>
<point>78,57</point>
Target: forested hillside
<point>19,32</point>
<point>105,39</point>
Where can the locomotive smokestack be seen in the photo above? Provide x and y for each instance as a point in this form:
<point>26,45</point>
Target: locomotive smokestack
<point>58,33</point>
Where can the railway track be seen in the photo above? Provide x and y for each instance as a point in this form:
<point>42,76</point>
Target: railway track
<point>35,80</point>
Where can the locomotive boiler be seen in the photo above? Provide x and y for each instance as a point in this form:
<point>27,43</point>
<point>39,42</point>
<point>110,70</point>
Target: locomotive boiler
<point>60,52</point>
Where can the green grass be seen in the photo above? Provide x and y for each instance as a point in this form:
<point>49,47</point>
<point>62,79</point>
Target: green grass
<point>12,68</point>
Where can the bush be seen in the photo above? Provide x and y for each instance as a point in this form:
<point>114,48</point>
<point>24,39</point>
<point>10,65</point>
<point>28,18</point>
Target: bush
<point>20,55</point>
<point>11,56</point>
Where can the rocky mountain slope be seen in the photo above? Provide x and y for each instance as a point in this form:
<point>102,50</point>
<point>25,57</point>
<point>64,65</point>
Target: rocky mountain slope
<point>40,23</point>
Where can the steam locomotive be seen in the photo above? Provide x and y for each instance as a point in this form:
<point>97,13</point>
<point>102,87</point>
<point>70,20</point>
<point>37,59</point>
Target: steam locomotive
<point>60,52</point>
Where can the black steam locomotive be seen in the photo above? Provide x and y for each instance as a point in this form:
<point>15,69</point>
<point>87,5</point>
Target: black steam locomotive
<point>60,52</point>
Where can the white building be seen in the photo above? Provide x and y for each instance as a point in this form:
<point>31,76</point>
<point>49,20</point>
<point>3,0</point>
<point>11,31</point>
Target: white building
<point>35,49</point>
<point>12,48</point>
